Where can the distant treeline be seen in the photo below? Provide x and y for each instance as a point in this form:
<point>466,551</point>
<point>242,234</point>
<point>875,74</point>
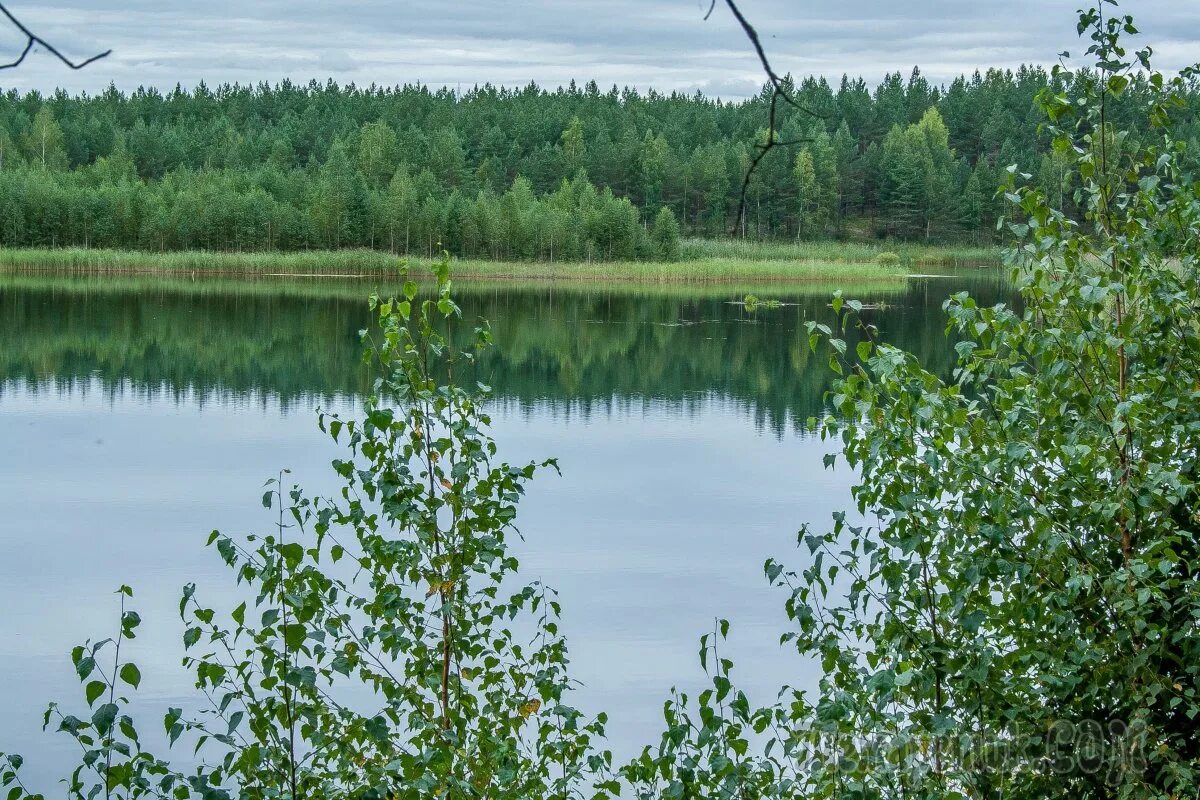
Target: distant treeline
<point>517,173</point>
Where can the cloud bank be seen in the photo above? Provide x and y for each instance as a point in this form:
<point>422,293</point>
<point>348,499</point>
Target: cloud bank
<point>664,44</point>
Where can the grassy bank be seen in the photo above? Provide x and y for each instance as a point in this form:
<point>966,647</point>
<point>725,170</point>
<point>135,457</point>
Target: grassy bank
<point>708,270</point>
<point>335,262</point>
<point>357,288</point>
<point>832,253</point>
<point>704,261</point>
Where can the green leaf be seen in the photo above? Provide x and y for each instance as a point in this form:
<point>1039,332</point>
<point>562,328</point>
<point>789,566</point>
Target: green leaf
<point>292,553</point>
<point>190,637</point>
<point>84,666</point>
<point>131,674</point>
<point>103,718</point>
<point>93,691</point>
<point>294,635</point>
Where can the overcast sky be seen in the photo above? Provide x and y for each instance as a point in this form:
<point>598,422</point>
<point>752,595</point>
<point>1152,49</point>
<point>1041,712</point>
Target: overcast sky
<point>642,43</point>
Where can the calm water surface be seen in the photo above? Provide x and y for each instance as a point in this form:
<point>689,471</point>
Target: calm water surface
<point>138,415</point>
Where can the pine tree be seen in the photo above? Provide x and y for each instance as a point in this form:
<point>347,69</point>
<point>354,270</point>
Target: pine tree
<point>970,217</point>
<point>334,197</point>
<point>377,150</point>
<point>571,141</point>
<point>9,155</point>
<point>939,162</point>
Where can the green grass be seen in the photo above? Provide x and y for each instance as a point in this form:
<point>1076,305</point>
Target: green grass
<point>718,262</point>
<point>707,270</point>
<point>333,262</point>
<point>831,253</point>
<point>357,288</point>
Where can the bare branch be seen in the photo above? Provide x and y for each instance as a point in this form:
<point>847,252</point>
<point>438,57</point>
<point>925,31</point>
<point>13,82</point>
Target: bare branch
<point>779,91</point>
<point>33,39</point>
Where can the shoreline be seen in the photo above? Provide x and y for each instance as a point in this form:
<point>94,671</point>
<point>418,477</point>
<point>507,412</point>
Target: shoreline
<point>729,264</point>
<point>348,287</point>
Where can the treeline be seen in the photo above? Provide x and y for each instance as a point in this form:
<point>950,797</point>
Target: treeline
<point>107,205</point>
<point>517,173</point>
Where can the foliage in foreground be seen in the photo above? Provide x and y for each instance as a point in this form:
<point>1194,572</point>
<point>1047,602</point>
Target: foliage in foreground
<point>1017,616</point>
<point>386,649</point>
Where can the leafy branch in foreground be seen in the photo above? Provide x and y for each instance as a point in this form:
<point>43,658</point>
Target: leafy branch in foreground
<point>112,762</point>
<point>386,648</point>
<point>1017,615</point>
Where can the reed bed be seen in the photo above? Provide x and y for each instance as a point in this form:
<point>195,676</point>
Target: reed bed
<point>832,252</point>
<point>704,262</point>
<point>357,288</point>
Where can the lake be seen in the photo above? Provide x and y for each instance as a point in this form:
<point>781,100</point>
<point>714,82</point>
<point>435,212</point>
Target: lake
<point>138,414</point>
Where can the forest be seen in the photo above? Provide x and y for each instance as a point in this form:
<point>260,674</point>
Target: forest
<point>985,482</point>
<point>574,173</point>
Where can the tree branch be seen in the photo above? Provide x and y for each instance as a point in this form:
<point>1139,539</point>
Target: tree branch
<point>33,39</point>
<point>779,91</point>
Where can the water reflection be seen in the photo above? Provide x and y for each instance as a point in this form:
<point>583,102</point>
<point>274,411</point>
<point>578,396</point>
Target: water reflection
<point>570,352</point>
<point>138,415</point>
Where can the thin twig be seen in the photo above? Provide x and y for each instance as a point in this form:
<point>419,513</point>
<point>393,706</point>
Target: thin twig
<point>32,39</point>
<point>289,658</point>
<point>779,91</point>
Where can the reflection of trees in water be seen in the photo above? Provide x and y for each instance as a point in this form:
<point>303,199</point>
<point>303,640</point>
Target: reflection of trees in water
<point>571,352</point>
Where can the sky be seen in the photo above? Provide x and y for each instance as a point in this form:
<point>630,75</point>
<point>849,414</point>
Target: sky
<point>664,44</point>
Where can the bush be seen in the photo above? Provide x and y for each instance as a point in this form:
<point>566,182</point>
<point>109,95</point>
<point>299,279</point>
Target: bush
<point>887,259</point>
<point>404,586</point>
<point>1017,617</point>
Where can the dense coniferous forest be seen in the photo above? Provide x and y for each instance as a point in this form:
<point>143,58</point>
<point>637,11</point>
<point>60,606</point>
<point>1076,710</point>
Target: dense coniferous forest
<point>575,173</point>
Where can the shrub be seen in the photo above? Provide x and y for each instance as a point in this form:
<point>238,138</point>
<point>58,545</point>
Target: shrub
<point>404,585</point>
<point>1017,615</point>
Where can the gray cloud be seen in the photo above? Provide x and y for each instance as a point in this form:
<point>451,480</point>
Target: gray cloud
<point>640,43</point>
